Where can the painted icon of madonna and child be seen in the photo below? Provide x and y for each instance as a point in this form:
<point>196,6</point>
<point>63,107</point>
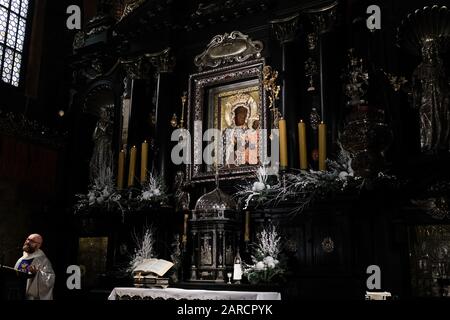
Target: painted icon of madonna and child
<point>241,124</point>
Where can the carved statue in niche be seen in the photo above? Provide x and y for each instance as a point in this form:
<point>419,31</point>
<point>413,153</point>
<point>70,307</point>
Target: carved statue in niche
<point>431,98</point>
<point>425,33</point>
<point>101,164</point>
<point>206,251</point>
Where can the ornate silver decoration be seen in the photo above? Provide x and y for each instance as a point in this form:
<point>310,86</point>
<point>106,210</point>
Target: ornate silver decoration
<point>366,137</point>
<point>97,30</point>
<point>182,198</point>
<point>357,80</point>
<point>213,232</point>
<point>137,68</point>
<point>365,134</point>
<point>437,207</point>
<point>328,245</point>
<point>198,85</point>
<point>436,203</point>
<point>228,48</point>
<point>163,61</point>
<point>311,72</point>
<point>422,26</point>
<point>215,202</point>
<point>130,7</point>
<point>312,39</point>
<point>79,40</point>
<point>323,17</point>
<point>216,6</point>
<point>314,119</point>
<point>97,24</point>
<point>286,29</point>
<point>291,245</point>
<point>430,258</point>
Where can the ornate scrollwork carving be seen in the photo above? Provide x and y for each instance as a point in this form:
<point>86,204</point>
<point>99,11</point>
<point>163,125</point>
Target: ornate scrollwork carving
<point>163,61</point>
<point>228,48</point>
<point>137,68</point>
<point>323,17</point>
<point>140,67</point>
<point>286,29</point>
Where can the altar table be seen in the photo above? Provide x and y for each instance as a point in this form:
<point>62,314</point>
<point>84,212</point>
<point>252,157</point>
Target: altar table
<point>188,294</point>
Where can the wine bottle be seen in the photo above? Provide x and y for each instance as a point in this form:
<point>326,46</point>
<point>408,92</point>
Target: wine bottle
<point>237,271</point>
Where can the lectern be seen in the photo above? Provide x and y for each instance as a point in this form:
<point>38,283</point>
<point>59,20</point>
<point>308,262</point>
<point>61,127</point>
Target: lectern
<point>12,283</point>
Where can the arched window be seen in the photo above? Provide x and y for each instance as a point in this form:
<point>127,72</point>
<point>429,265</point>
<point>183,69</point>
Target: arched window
<point>13,18</point>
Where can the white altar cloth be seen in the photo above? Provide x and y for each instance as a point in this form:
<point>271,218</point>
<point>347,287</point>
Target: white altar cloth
<point>188,294</point>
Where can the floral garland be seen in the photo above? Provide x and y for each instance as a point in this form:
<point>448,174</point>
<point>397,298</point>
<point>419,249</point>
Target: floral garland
<point>302,188</point>
<point>153,193</point>
<point>103,194</point>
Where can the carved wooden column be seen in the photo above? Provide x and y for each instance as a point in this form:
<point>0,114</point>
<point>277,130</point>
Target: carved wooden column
<point>285,31</point>
<point>137,69</point>
<point>322,19</point>
<point>163,103</point>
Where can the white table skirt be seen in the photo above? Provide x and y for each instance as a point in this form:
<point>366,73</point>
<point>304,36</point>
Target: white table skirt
<point>179,294</point>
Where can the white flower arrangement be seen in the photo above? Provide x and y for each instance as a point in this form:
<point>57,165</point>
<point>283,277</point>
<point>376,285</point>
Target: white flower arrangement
<point>257,189</point>
<point>101,194</point>
<point>261,184</point>
<point>144,249</point>
<point>266,265</point>
<point>153,190</point>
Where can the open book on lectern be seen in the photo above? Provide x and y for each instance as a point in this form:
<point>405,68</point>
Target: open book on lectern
<point>159,267</point>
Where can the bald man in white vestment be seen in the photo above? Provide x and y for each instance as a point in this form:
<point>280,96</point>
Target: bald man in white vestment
<point>36,264</point>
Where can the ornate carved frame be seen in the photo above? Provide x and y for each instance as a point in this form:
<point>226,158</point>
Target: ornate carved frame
<point>199,85</point>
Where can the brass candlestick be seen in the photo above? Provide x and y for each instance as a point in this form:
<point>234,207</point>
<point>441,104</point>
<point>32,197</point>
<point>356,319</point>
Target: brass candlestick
<point>183,103</point>
<point>174,121</point>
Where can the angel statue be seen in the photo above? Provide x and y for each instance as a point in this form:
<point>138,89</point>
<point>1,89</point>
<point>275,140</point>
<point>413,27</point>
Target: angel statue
<point>425,33</point>
<point>101,164</point>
